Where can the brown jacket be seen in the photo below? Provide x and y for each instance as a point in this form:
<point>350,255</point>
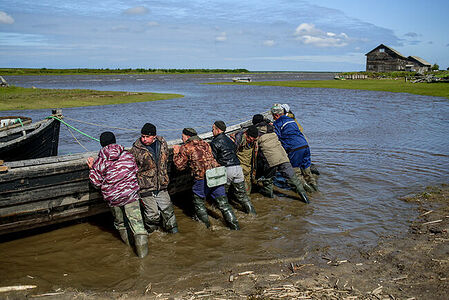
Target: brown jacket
<point>196,154</point>
<point>152,176</point>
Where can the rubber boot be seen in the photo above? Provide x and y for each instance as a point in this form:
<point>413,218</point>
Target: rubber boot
<point>200,210</point>
<point>169,220</point>
<point>227,212</point>
<point>141,243</point>
<point>267,187</point>
<point>151,227</point>
<point>124,236</point>
<point>297,185</point>
<point>243,199</point>
<point>309,178</point>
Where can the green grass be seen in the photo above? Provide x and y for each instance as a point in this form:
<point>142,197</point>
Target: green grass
<point>17,98</point>
<point>395,86</point>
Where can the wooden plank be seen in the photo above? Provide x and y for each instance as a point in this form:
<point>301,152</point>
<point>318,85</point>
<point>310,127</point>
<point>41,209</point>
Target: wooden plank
<point>41,221</point>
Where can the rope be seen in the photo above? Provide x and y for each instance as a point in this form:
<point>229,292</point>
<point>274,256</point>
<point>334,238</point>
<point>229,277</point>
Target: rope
<point>68,125</point>
<point>20,121</point>
<point>68,128</point>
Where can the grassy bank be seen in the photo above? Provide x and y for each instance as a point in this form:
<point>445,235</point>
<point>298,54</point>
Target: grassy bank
<point>107,71</point>
<point>16,98</point>
<point>395,86</point>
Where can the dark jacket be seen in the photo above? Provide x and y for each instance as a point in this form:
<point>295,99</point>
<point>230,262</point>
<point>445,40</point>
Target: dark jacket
<point>224,150</point>
<point>153,172</point>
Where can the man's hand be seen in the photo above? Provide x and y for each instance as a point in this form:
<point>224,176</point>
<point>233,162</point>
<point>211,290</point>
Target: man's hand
<point>90,162</point>
<point>176,148</point>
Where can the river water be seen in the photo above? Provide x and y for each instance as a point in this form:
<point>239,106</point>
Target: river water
<point>371,148</point>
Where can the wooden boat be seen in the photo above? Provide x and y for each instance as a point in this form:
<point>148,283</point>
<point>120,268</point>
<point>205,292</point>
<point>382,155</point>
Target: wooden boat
<point>21,139</point>
<point>241,79</point>
<point>50,190</point>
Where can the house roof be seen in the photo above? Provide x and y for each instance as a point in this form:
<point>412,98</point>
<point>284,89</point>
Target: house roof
<point>389,48</point>
<point>420,60</point>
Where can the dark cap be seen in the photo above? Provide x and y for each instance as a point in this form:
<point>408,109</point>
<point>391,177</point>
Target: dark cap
<point>252,131</point>
<point>220,125</point>
<point>257,119</point>
<point>107,138</point>
<point>189,131</point>
<point>148,129</point>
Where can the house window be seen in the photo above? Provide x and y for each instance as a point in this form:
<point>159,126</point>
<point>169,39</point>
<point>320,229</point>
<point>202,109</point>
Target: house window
<point>381,50</point>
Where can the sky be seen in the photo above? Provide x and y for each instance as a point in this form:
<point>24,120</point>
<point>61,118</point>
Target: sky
<point>262,35</point>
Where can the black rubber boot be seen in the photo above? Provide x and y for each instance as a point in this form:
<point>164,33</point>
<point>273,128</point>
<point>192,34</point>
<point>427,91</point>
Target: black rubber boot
<point>227,212</point>
<point>124,236</point>
<point>267,187</point>
<point>169,220</point>
<point>243,199</point>
<point>141,243</point>
<point>297,185</point>
<point>200,210</point>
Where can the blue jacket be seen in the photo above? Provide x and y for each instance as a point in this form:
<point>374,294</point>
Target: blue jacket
<point>289,134</point>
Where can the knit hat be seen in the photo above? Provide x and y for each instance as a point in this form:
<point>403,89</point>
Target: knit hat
<point>107,138</point>
<point>252,131</point>
<point>148,129</point>
<point>189,131</point>
<point>257,119</point>
<point>277,109</point>
<point>220,125</point>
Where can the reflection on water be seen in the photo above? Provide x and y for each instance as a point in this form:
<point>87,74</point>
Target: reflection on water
<point>370,147</point>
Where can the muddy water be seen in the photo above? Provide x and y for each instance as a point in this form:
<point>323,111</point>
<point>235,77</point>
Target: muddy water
<point>371,148</point>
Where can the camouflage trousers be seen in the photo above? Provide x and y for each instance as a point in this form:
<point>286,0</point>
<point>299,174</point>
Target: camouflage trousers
<point>129,217</point>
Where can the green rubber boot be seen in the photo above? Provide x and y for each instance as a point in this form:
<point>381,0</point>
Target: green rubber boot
<point>227,212</point>
<point>297,185</point>
<point>200,210</point>
<point>243,199</point>
<point>124,236</point>
<point>141,243</point>
<point>309,178</point>
<point>267,187</point>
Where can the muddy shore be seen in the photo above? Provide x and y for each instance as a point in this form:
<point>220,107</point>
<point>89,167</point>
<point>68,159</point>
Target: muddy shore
<point>410,265</point>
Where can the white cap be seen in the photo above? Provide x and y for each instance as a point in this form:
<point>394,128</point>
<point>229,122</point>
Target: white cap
<point>286,107</point>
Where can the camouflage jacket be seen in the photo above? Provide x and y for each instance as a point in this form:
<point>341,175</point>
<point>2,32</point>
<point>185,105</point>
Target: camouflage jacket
<point>114,172</point>
<point>196,154</point>
<point>152,175</point>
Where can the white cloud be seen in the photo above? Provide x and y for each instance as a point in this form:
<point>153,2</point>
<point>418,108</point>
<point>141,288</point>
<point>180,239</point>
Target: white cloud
<point>344,58</point>
<point>308,34</point>
<point>152,24</point>
<point>268,43</point>
<point>221,37</point>
<point>138,10</point>
<point>5,18</point>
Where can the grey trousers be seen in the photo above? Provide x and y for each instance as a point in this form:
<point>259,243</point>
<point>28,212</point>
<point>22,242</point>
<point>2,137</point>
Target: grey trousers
<point>158,208</point>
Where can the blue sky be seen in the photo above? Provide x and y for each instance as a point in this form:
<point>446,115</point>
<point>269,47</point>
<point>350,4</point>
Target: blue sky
<point>283,35</point>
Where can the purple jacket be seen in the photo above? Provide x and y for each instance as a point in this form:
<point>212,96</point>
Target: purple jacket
<point>115,173</point>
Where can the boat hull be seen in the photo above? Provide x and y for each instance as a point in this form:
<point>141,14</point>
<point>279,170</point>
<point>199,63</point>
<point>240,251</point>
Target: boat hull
<point>30,141</point>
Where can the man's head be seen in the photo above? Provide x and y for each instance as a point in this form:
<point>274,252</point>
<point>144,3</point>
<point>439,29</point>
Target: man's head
<point>148,134</point>
<point>252,133</point>
<point>107,138</point>
<point>277,111</point>
<point>257,119</point>
<point>187,133</point>
<point>218,127</point>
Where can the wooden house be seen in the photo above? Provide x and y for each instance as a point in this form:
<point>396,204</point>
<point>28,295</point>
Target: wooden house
<point>385,59</point>
<point>417,64</point>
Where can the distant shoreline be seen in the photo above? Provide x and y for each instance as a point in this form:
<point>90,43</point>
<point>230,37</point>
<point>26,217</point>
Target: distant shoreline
<point>385,85</point>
